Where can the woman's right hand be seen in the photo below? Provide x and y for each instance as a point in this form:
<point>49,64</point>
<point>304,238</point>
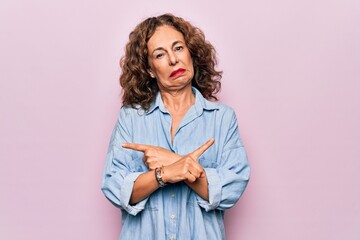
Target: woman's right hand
<point>154,156</point>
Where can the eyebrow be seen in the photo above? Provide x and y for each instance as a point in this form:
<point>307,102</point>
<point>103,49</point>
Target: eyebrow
<point>172,45</point>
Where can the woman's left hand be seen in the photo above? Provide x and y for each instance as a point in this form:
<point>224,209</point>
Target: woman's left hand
<point>154,156</point>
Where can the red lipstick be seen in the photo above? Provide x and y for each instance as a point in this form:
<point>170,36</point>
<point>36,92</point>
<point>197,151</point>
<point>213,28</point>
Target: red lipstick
<point>177,72</point>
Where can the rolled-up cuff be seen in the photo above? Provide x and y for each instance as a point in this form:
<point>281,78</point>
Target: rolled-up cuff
<point>214,188</point>
<point>125,194</point>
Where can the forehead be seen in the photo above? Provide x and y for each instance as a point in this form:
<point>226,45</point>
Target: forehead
<point>163,37</point>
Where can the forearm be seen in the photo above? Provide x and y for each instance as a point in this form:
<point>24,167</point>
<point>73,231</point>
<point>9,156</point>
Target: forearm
<point>184,169</point>
<point>144,185</point>
<point>200,186</point>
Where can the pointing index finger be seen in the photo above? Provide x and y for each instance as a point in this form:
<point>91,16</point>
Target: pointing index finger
<point>135,146</point>
<point>196,154</point>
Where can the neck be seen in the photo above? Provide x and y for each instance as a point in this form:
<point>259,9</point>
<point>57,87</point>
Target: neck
<point>179,100</point>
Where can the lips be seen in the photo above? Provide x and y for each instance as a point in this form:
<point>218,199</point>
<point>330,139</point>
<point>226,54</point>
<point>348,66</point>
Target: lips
<point>177,72</point>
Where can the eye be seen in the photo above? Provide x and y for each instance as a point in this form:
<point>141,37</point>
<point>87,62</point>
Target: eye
<point>159,55</point>
<point>179,48</point>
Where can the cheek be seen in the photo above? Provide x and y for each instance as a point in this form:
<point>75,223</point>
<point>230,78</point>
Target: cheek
<point>190,61</point>
<point>191,65</point>
<point>160,68</point>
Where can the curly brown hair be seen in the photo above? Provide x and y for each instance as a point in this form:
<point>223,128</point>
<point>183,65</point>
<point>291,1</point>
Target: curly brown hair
<point>139,89</point>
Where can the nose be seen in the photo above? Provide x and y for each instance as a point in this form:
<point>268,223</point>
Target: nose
<point>173,59</point>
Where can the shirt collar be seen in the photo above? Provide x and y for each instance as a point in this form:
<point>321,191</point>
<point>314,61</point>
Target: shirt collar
<point>200,103</point>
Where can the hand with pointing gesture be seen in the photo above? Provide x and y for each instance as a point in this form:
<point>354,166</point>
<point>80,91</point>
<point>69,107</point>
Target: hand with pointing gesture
<point>154,156</point>
<point>186,168</point>
<point>175,167</point>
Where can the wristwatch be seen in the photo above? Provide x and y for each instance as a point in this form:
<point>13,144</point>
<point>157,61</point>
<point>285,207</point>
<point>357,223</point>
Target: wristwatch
<point>158,177</point>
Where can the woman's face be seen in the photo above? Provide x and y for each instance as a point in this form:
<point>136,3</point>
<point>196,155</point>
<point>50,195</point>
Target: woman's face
<point>169,59</point>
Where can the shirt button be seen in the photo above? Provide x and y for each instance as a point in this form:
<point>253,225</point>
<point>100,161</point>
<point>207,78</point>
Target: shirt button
<point>172,216</point>
<point>172,237</point>
<point>173,195</point>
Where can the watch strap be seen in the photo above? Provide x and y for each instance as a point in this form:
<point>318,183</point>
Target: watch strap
<point>158,176</point>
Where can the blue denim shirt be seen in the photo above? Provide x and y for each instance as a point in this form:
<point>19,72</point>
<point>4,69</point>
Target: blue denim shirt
<point>176,211</point>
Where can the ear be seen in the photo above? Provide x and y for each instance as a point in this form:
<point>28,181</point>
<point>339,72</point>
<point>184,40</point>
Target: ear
<point>151,73</point>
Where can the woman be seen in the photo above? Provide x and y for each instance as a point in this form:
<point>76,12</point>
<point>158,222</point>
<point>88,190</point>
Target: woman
<point>175,160</point>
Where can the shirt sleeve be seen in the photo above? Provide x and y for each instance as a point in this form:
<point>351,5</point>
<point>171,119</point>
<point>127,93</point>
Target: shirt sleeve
<point>228,180</point>
<point>118,179</point>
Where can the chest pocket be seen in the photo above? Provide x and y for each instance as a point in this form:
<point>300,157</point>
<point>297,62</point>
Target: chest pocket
<point>207,162</point>
<point>209,159</point>
<point>137,163</point>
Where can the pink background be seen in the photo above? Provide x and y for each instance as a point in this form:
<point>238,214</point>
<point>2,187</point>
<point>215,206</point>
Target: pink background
<point>292,73</point>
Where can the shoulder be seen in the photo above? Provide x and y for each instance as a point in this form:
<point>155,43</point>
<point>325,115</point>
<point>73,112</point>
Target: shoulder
<point>220,108</point>
<point>225,108</point>
<point>127,114</point>
<point>130,111</point>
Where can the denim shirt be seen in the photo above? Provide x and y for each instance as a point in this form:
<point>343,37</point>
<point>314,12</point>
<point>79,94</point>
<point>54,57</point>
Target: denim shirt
<point>176,211</point>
